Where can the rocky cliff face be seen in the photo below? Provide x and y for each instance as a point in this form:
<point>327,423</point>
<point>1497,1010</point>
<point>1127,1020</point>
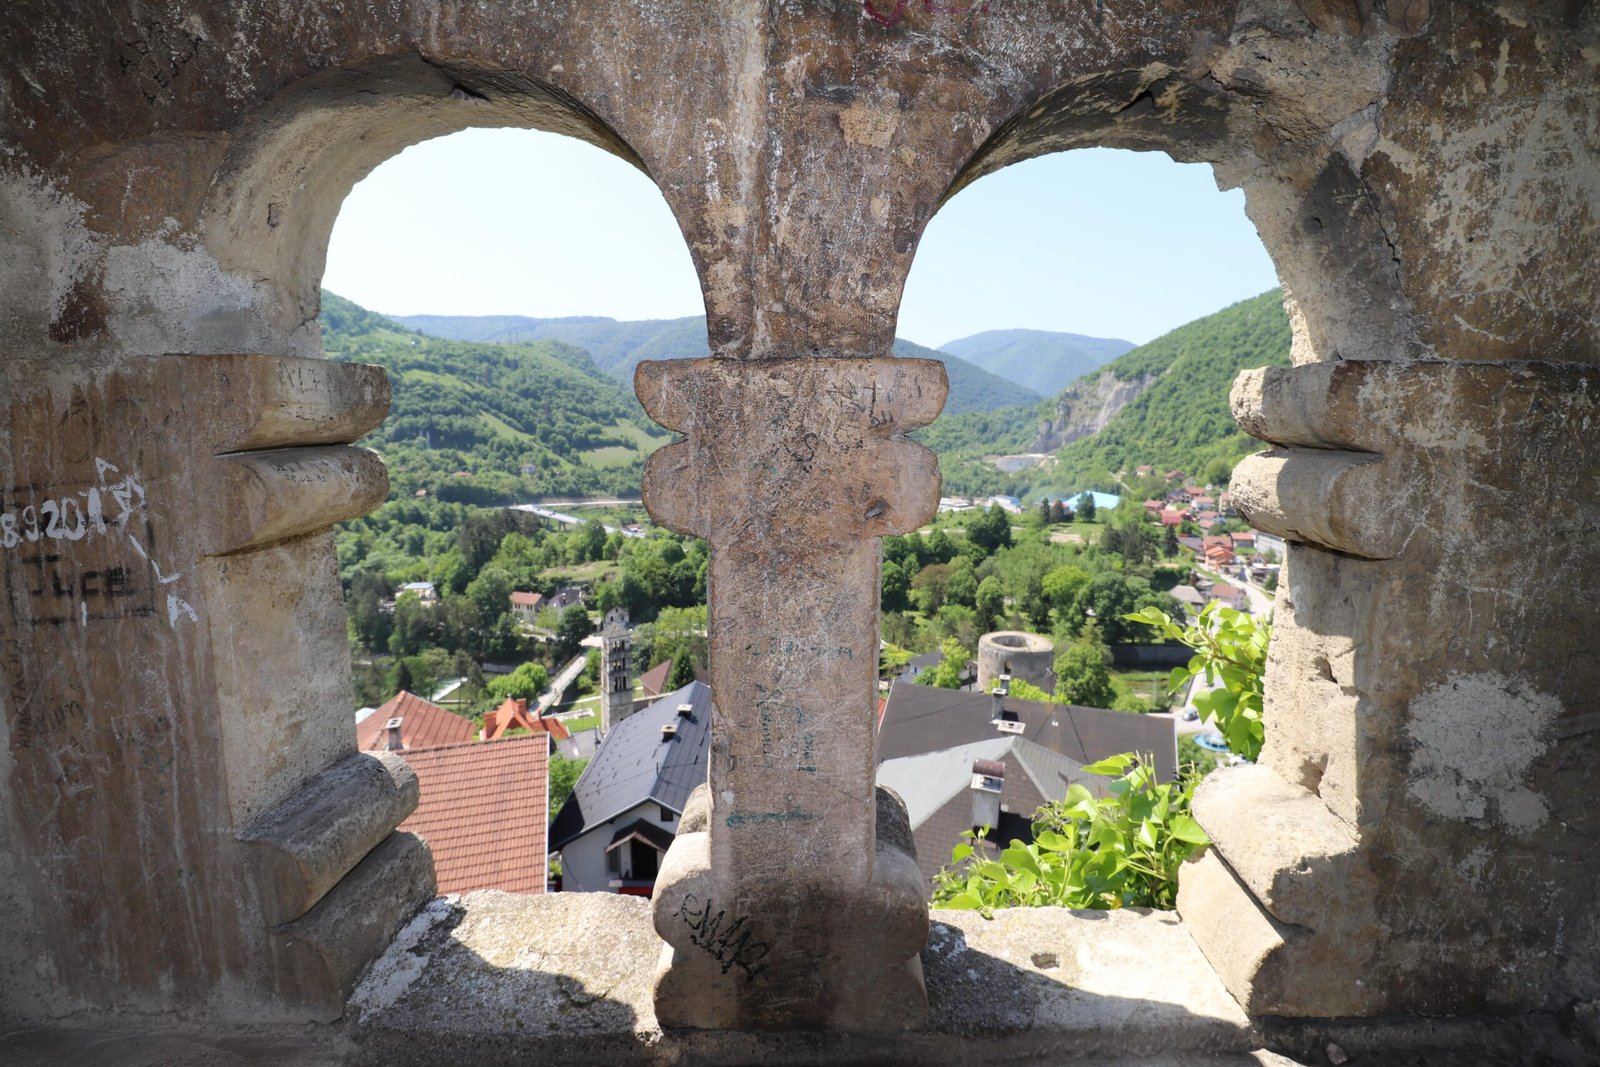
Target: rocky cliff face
<point>1085,408</point>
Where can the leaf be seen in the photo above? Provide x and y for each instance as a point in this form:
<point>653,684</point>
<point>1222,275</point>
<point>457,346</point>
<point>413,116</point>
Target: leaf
<point>1184,828</point>
<point>1110,766</point>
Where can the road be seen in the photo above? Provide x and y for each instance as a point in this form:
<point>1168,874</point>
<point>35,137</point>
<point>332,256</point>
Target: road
<point>573,520</point>
<point>569,674</point>
<point>1260,599</point>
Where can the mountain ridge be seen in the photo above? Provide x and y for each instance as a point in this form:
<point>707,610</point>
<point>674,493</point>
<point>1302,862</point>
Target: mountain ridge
<point>619,345</point>
<point>1045,361</point>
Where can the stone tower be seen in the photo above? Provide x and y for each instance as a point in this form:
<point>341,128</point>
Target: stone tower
<point>616,686</point>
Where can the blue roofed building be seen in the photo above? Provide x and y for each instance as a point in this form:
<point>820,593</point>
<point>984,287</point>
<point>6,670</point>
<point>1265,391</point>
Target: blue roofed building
<point>623,813</point>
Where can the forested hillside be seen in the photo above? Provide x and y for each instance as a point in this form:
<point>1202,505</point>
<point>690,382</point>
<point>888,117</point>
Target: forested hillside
<point>618,347</point>
<point>494,423</point>
<point>1042,360</point>
<point>1180,421</point>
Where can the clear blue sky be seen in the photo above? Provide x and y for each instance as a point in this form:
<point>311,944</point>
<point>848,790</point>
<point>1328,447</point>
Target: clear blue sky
<point>515,222</point>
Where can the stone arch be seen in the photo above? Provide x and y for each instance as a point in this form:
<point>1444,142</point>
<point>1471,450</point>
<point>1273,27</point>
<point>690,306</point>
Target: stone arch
<point>1321,224</point>
<point>269,212</point>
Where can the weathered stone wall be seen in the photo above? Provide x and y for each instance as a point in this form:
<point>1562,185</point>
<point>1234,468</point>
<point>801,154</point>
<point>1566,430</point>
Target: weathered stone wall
<point>1424,175</point>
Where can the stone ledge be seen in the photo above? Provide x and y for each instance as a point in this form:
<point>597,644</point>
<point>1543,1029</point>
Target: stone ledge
<point>496,978</point>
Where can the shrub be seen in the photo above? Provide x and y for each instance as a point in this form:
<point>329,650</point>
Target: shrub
<point>1119,851</point>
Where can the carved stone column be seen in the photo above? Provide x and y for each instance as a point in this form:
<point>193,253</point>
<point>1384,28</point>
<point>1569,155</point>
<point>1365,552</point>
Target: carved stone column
<point>1417,835</point>
<point>198,832</point>
<point>799,903</point>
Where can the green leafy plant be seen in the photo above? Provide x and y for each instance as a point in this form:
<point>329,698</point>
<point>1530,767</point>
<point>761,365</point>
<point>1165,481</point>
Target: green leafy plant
<point>1231,652</point>
<point>1118,851</point>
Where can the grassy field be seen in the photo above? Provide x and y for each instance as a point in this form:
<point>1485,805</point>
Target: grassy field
<point>502,429</point>
<point>1146,685</point>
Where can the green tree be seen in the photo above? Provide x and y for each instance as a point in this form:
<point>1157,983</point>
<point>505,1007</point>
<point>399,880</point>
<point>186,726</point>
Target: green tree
<point>962,587</point>
<point>524,683</point>
<point>991,531</point>
<point>989,602</point>
<point>682,670</point>
<point>929,588</point>
<point>1083,673</point>
<point>564,775</point>
<point>1086,507</point>
<point>896,586</point>
<point>571,631</point>
<point>947,675</point>
<point>1231,653</point>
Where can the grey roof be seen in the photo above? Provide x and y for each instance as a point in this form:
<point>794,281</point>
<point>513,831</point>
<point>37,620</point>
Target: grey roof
<point>634,764</point>
<point>921,719</point>
<point>928,781</point>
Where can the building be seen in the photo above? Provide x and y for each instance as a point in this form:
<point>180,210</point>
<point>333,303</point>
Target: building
<point>514,715</point>
<point>623,813</point>
<point>423,591</point>
<point>525,606</point>
<point>1031,657</point>
<point>483,812</point>
<point>616,674</point>
<point>653,682</point>
<point>408,722</point>
<point>963,760</point>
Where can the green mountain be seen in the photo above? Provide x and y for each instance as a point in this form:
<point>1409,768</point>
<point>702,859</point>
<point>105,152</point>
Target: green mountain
<point>1043,360</point>
<point>494,423</point>
<point>1164,403</point>
<point>618,346</point>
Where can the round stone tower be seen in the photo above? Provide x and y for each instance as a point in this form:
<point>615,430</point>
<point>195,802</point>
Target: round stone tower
<point>1021,655</point>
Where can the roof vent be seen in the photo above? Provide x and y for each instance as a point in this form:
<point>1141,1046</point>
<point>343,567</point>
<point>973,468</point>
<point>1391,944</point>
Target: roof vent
<point>394,743</point>
<point>685,711</point>
<point>1011,725</point>
<point>669,731</point>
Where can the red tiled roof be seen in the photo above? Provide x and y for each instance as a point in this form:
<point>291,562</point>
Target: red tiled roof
<point>525,600</point>
<point>513,715</point>
<point>1171,518</point>
<point>483,811</point>
<point>422,725</point>
<point>654,680</point>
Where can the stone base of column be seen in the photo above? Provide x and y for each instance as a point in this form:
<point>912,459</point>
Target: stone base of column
<point>1278,904</point>
<point>842,957</point>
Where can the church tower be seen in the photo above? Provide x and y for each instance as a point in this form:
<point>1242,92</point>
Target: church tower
<point>616,675</point>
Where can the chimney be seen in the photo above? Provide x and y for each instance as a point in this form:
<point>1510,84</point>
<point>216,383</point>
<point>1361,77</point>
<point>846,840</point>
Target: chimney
<point>1002,687</point>
<point>394,742</point>
<point>669,731</point>
<point>988,781</point>
<point>685,711</point>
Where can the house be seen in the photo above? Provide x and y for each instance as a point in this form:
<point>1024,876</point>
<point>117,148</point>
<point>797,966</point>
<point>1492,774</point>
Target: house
<point>955,503</point>
<point>526,605</point>
<point>654,680</point>
<point>1153,508</point>
<point>514,715</point>
<point>1204,501</point>
<point>1169,517</point>
<point>408,722</point>
<point>1143,470</point>
<point>623,812</point>
<point>483,812</point>
<point>962,759</point>
<point>1189,597</point>
<point>1266,542</point>
<point>1174,476</point>
<point>1243,540</point>
<point>1191,544</point>
<point>562,599</point>
<point>1225,504</point>
<point>1217,549</point>
<point>1231,596</point>
<point>423,591</point>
